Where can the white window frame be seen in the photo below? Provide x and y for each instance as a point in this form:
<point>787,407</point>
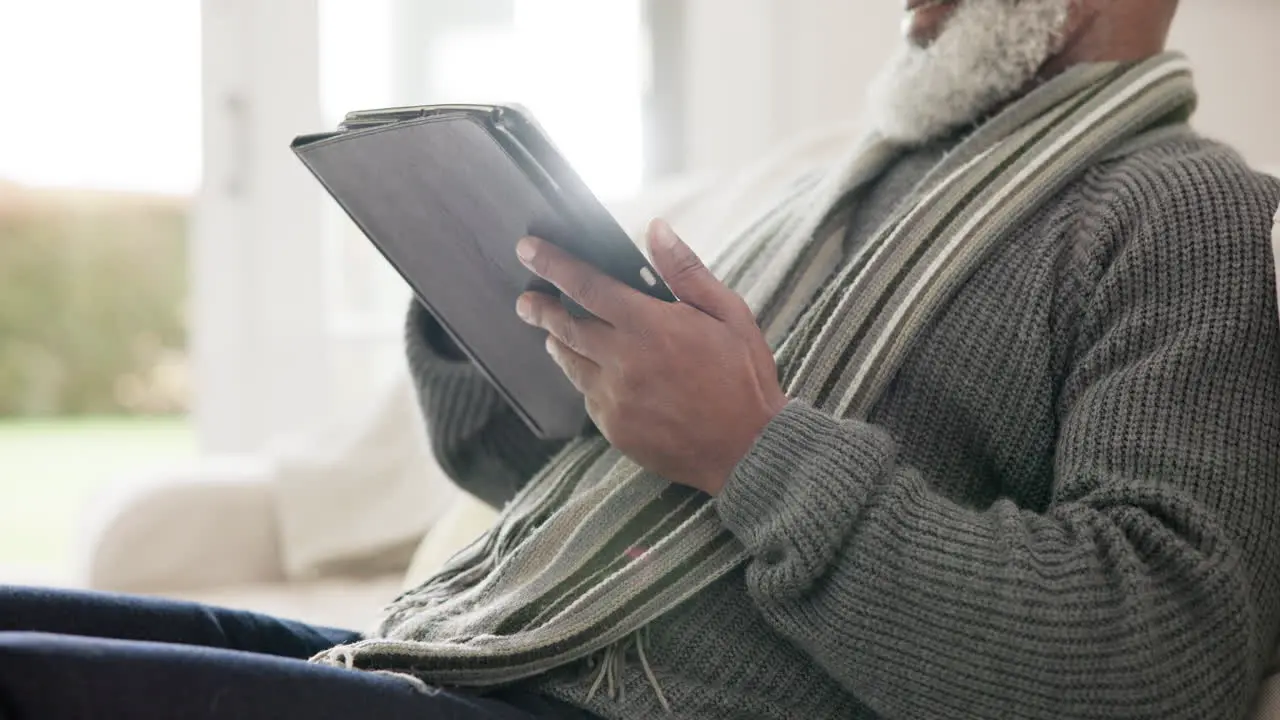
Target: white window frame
<point>258,346</point>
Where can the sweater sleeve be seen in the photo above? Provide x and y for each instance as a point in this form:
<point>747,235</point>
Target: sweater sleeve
<point>477,438</point>
<point>1148,586</point>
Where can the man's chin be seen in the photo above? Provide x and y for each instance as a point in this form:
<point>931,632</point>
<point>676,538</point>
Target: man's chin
<point>926,19</point>
<point>983,53</point>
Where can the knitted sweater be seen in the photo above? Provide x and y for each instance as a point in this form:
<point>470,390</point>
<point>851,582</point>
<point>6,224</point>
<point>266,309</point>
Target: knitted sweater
<point>1066,504</point>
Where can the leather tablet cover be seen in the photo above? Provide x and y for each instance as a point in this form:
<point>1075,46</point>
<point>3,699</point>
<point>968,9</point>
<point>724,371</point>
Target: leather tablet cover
<point>445,202</point>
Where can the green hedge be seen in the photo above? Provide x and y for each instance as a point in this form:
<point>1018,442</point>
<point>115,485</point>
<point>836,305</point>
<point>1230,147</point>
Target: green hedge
<point>92,291</point>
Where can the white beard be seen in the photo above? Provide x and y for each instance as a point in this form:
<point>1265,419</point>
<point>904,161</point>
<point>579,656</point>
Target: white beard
<point>988,52</point>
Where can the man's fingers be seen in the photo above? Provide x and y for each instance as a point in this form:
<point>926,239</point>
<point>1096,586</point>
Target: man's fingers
<point>689,278</point>
<point>580,370</point>
<point>600,294</point>
<point>585,336</point>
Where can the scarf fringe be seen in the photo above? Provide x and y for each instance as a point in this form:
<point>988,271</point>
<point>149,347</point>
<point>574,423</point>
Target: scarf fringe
<point>343,657</point>
<point>610,666</point>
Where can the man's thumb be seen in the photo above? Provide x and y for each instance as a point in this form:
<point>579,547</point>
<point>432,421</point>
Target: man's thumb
<point>685,274</point>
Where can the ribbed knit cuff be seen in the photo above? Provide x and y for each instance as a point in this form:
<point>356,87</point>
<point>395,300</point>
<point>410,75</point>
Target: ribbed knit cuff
<point>795,497</point>
<point>457,399</point>
<point>424,335</point>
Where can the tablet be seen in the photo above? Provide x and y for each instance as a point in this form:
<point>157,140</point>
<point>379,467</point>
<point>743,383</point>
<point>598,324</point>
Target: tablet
<point>444,193</point>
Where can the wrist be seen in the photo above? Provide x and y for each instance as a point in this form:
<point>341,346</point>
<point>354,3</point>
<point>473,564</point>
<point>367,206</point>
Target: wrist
<point>772,409</point>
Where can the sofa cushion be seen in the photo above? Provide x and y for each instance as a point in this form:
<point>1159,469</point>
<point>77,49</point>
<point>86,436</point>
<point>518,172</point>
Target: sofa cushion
<point>358,498</point>
<point>465,521</point>
<point>205,524</point>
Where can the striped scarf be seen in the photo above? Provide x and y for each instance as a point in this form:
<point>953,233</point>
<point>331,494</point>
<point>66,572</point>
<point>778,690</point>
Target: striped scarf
<point>575,570</point>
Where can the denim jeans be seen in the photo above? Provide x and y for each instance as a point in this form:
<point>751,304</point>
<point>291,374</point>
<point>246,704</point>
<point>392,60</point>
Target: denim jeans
<point>71,654</point>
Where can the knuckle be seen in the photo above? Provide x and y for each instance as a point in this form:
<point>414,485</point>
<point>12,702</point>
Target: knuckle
<point>644,340</point>
<point>536,314</point>
<point>740,319</point>
<point>622,370</point>
<point>605,414</point>
<point>625,316</point>
<point>572,360</point>
<point>595,411</point>
<point>575,372</point>
<point>659,341</point>
<point>609,423</point>
<point>567,330</point>
<point>687,265</point>
<point>632,377</point>
<point>586,287</point>
<point>741,309</point>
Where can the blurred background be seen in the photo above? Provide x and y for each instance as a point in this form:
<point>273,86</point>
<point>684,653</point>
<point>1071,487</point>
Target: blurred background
<point>175,288</point>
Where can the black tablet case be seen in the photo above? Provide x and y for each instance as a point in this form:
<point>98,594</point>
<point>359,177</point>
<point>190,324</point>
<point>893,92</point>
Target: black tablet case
<point>445,196</point>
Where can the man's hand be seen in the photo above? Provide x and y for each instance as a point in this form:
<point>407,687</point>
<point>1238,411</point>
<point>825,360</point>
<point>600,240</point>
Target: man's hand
<point>681,388</point>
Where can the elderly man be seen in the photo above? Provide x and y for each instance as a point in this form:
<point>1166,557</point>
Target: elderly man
<point>1018,456</point>
<point>980,420</point>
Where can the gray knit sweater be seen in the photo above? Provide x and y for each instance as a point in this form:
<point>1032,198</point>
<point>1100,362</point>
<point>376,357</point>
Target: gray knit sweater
<point>1066,505</point>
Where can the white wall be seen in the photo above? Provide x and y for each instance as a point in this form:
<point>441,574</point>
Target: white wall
<point>764,70</point>
<point>1235,45</point>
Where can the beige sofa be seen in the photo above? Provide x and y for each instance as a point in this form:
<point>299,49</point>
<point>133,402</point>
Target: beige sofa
<point>229,531</point>
<point>211,533</point>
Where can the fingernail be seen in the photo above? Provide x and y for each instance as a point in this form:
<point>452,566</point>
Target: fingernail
<point>524,308</point>
<point>664,235</point>
<point>525,249</point>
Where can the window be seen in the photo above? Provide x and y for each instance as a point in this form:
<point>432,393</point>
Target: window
<point>576,64</point>
<point>172,114</point>
<point>99,160</point>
